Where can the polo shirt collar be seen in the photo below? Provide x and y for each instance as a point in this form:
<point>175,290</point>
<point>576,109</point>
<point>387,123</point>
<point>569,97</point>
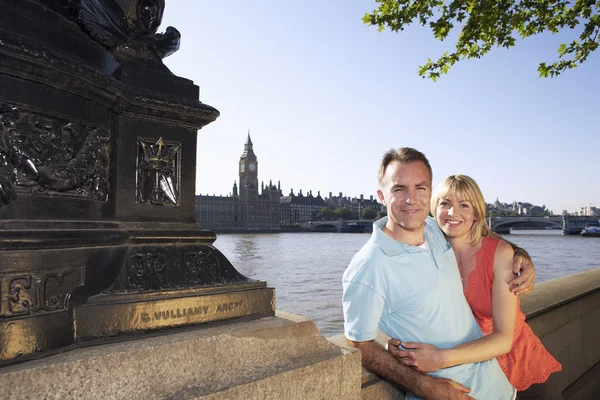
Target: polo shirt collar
<point>391,247</point>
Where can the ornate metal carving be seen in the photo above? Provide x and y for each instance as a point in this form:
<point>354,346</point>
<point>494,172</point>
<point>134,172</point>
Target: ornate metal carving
<point>52,156</point>
<point>200,266</point>
<point>149,15</point>
<point>67,8</point>
<point>39,292</point>
<point>130,26</point>
<point>165,268</point>
<point>84,78</point>
<point>70,69</point>
<point>7,192</point>
<point>158,171</point>
<point>150,270</point>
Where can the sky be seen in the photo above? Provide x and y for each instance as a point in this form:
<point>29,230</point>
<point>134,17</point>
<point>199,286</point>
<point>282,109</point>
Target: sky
<point>324,96</point>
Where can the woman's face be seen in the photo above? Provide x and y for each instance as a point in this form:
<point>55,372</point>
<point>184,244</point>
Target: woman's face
<point>455,216</point>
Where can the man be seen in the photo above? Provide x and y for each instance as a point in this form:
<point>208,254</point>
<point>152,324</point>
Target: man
<point>405,281</point>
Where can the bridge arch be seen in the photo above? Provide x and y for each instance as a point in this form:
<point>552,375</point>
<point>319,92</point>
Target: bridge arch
<point>504,224</point>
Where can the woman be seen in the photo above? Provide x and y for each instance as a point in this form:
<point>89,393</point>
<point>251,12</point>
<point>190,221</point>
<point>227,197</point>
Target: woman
<point>485,264</point>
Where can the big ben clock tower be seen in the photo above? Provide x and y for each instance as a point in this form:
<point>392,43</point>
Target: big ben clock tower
<point>248,173</point>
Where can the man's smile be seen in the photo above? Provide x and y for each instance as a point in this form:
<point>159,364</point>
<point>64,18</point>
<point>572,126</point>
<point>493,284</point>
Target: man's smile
<point>411,211</point>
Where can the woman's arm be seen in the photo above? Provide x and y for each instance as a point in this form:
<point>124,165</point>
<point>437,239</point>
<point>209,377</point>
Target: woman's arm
<point>523,269</point>
<point>504,313</point>
<point>429,358</point>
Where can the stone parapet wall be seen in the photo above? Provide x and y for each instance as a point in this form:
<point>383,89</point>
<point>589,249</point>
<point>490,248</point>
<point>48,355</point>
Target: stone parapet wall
<point>565,314</point>
<point>281,357</point>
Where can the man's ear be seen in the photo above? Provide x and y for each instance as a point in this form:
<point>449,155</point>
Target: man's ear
<point>380,196</point>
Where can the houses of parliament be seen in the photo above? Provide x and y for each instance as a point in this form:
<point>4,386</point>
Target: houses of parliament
<point>263,209</point>
<point>247,209</point>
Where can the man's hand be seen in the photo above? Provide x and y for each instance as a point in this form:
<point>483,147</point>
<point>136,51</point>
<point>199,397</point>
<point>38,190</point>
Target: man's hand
<point>523,283</point>
<point>444,389</point>
<point>379,361</point>
<point>436,388</point>
<point>420,356</point>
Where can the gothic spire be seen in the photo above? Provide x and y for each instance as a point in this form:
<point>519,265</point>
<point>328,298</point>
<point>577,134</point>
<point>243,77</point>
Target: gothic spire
<point>248,151</point>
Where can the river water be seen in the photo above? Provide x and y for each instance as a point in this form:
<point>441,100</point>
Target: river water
<point>306,268</point>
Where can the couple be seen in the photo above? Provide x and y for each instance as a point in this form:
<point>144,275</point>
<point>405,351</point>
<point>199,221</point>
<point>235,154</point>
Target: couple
<point>409,282</point>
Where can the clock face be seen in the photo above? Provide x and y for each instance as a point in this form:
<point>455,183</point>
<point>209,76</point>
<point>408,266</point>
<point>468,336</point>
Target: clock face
<point>242,167</point>
<point>252,167</point>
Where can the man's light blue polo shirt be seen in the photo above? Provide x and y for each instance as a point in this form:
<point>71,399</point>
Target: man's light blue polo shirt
<point>417,296</point>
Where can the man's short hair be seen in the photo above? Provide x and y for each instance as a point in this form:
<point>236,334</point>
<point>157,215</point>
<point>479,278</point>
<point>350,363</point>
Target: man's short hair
<point>404,155</point>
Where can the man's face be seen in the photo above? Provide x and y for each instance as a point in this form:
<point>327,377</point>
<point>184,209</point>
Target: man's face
<point>406,190</point>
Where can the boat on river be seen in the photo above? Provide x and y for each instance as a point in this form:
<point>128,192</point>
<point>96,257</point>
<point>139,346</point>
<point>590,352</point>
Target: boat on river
<point>351,227</point>
<point>591,231</point>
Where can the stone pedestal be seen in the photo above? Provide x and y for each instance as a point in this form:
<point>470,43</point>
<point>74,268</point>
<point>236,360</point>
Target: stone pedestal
<point>373,387</point>
<point>97,174</point>
<point>281,357</point>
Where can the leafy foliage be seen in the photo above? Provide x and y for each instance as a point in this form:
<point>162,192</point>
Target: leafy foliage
<point>345,213</point>
<point>326,214</point>
<point>488,23</point>
<point>382,213</point>
<point>368,213</point>
<point>501,213</point>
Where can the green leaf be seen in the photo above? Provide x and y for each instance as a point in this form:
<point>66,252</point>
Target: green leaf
<point>562,49</point>
<point>484,25</point>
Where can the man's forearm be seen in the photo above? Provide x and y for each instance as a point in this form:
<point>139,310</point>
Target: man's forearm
<point>518,251</point>
<point>377,360</point>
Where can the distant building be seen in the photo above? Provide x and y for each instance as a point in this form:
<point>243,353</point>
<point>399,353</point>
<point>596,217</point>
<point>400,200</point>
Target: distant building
<point>299,208</point>
<point>535,211</point>
<point>588,211</point>
<point>517,209</point>
<point>247,208</point>
<point>338,201</point>
<point>252,208</point>
<point>356,205</point>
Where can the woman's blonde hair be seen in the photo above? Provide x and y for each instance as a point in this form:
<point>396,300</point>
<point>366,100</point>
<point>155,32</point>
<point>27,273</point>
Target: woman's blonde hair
<point>465,188</point>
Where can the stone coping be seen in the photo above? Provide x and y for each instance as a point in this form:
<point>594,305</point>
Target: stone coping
<point>554,293</point>
<point>190,363</point>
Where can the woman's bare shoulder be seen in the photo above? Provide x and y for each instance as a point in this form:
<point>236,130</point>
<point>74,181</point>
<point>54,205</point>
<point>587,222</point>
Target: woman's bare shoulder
<point>504,251</point>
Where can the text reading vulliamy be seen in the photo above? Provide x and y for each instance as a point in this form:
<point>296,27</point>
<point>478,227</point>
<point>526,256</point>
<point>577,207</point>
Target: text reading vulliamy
<point>189,312</point>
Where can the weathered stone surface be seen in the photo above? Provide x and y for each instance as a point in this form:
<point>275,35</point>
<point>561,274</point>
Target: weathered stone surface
<point>565,314</point>
<point>586,387</point>
<point>373,387</point>
<point>282,357</point>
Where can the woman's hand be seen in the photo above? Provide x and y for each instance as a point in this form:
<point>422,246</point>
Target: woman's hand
<point>421,356</point>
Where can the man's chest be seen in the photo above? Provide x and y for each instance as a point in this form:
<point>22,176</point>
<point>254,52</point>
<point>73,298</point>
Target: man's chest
<point>421,283</point>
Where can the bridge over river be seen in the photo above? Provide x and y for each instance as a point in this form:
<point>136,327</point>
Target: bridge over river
<point>503,225</point>
<point>570,225</point>
<point>351,226</point>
